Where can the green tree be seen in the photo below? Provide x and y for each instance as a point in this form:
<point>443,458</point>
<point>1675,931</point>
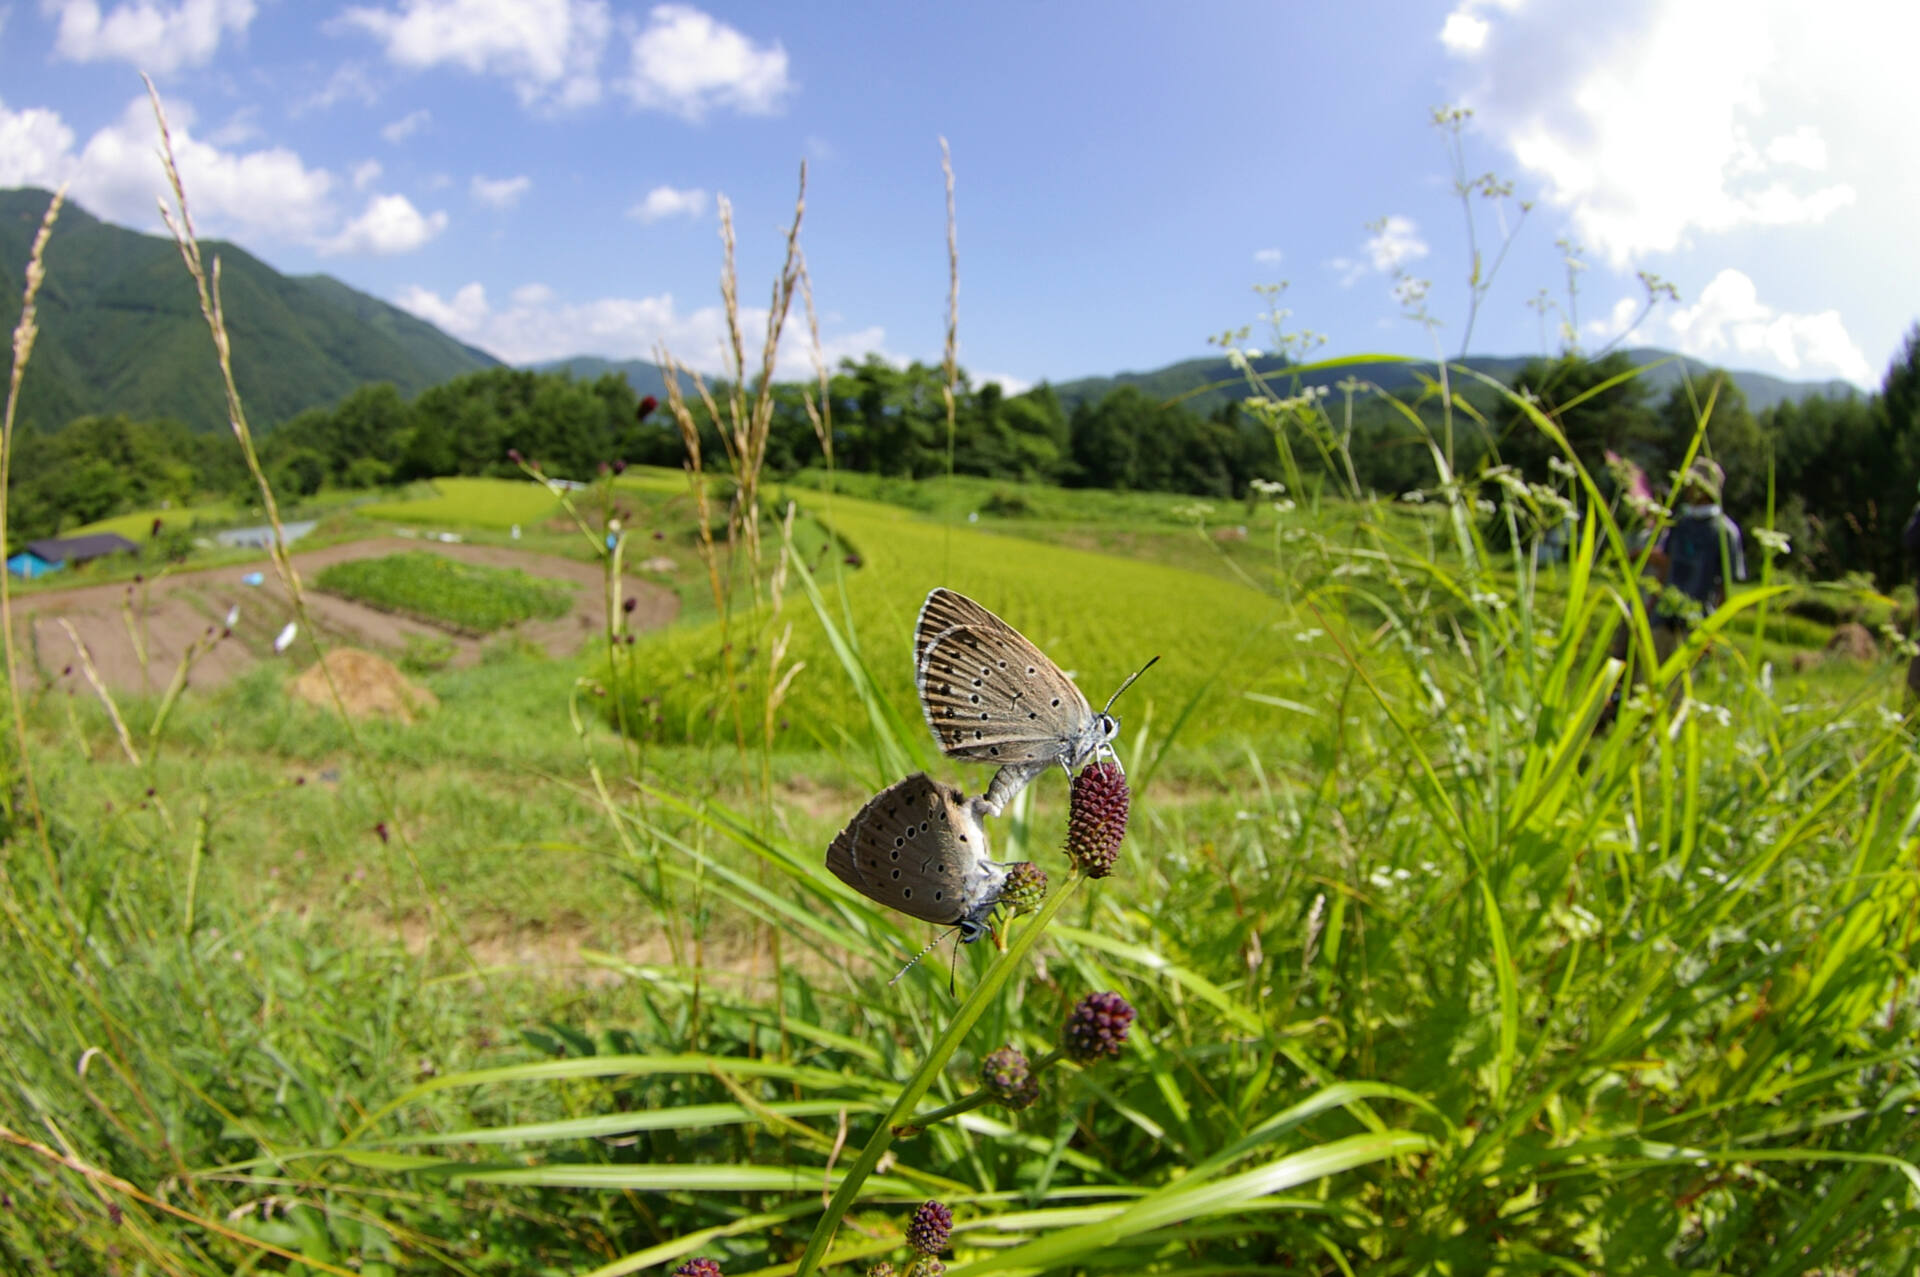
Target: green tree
<point>1567,389</point>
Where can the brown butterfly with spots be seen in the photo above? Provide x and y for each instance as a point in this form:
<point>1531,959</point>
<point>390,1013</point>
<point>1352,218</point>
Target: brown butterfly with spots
<point>991,696</point>
<point>918,846</point>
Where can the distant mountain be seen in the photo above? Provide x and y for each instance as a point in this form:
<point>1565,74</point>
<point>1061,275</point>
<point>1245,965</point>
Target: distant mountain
<point>645,378</point>
<point>121,332</point>
<point>1205,384</point>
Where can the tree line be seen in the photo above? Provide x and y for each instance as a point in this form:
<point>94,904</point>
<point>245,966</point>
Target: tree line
<point>1842,471</point>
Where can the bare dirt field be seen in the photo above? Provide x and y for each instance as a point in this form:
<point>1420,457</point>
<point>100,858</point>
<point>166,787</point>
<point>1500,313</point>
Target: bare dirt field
<point>167,614</point>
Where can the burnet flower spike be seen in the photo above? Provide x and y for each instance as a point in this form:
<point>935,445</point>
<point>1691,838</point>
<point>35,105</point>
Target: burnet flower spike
<point>1097,1028</point>
<point>932,1225</point>
<point>1097,817</point>
<point>1008,1077</point>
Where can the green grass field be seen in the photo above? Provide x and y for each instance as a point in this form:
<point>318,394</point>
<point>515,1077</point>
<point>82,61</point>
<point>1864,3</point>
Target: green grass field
<point>466,502</point>
<point>464,596</point>
<point>1429,975</point>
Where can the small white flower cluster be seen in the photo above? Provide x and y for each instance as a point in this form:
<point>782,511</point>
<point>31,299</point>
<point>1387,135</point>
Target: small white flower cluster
<point>1275,489</point>
<point>1560,466</point>
<point>1488,599</point>
<point>1772,542</point>
<point>1382,877</point>
<point>1192,512</point>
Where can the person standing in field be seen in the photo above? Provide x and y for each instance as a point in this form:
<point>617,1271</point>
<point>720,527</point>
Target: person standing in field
<point>1695,557</point>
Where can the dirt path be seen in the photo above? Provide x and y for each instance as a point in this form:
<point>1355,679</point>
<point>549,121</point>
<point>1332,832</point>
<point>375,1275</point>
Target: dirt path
<point>169,613</point>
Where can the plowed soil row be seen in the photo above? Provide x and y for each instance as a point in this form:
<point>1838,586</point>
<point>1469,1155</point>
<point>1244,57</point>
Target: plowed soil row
<point>167,614</point>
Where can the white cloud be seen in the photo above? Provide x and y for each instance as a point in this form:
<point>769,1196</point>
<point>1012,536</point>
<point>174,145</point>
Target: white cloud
<point>1463,32</point>
<point>1730,323</point>
<point>242,127</point>
<point>1269,256</point>
<point>502,192</point>
<point>406,126</point>
<point>348,81</point>
<point>536,326</point>
<point>1803,147</point>
<point>390,225</point>
<point>266,193</point>
<point>1641,119</point>
<point>549,50</point>
<point>666,201</point>
<point>686,63</point>
<point>35,147</point>
<point>1009,385</point>
<point>151,34</point>
<point>1395,241</point>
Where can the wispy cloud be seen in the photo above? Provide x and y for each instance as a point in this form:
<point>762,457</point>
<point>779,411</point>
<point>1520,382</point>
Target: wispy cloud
<point>407,125</point>
<point>502,192</point>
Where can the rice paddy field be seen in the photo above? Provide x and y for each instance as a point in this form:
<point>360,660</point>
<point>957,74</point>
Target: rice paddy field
<point>1430,970</point>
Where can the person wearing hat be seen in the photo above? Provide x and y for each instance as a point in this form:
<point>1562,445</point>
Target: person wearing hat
<point>1696,556</point>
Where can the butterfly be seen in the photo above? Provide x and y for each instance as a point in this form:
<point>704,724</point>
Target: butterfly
<point>918,846</point>
<point>991,696</point>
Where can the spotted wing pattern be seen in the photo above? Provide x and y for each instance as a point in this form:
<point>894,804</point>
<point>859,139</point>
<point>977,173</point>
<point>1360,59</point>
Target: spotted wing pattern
<point>917,847</point>
<point>989,694</point>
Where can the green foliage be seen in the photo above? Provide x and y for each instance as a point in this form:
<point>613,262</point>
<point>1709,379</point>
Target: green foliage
<point>467,596</point>
<point>96,467</point>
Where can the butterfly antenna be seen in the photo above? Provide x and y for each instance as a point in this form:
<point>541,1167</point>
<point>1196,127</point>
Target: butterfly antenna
<point>915,958</point>
<point>1129,683</point>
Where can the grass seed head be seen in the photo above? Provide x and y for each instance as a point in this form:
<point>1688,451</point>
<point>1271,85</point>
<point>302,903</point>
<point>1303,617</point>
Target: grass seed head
<point>1097,817</point>
<point>701,1267</point>
<point>925,1266</point>
<point>1097,1028</point>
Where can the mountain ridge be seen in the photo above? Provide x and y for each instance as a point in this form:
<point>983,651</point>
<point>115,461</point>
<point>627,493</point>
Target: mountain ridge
<point>121,331</point>
<point>1197,382</point>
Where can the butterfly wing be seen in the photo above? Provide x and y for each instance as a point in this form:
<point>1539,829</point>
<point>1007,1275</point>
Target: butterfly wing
<point>989,694</point>
<point>917,847</point>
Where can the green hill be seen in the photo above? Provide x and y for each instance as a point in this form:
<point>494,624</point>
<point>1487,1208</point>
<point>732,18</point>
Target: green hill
<point>645,378</point>
<point>120,329</point>
<point>1189,376</point>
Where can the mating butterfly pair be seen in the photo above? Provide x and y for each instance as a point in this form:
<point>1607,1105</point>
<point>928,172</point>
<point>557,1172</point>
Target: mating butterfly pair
<point>990,696</point>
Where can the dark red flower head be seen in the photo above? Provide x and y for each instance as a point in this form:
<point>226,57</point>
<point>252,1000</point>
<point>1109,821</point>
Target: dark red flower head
<point>1008,1077</point>
<point>1097,1029</point>
<point>931,1227</point>
<point>1097,817</point>
<point>701,1267</point>
<point>647,406</point>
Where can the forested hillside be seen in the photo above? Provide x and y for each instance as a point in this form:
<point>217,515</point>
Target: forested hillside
<point>121,333</point>
<point>1840,473</point>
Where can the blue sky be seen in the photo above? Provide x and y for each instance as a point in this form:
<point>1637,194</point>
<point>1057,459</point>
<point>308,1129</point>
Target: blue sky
<point>541,177</point>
